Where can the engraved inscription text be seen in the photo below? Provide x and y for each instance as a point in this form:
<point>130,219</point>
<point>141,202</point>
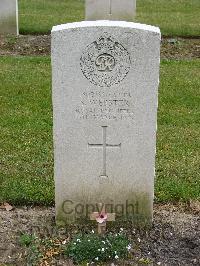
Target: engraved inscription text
<point>105,105</point>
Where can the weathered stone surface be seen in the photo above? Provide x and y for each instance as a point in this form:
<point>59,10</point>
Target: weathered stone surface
<point>105,89</point>
<point>110,10</point>
<point>9,17</point>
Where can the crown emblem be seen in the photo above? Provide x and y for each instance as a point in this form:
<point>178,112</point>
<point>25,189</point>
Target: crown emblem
<point>105,62</point>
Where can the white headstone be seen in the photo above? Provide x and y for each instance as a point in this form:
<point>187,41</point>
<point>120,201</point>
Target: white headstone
<point>9,17</point>
<point>105,90</point>
<point>110,9</point>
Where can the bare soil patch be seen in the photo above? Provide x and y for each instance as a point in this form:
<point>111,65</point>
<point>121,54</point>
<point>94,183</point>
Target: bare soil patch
<point>171,48</point>
<point>174,238</point>
<point>179,48</point>
<point>25,45</point>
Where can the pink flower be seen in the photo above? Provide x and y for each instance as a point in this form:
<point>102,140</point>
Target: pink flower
<point>101,218</point>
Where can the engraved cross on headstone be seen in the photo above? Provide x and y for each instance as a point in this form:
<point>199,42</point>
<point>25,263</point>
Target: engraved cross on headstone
<point>104,145</point>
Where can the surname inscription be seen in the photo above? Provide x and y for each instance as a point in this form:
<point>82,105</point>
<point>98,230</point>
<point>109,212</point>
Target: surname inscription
<point>105,105</point>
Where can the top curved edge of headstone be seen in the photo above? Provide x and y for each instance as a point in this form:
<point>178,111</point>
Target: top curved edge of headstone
<point>106,23</point>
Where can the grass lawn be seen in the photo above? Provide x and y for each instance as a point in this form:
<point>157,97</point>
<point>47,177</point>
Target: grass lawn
<point>174,17</point>
<point>26,131</point>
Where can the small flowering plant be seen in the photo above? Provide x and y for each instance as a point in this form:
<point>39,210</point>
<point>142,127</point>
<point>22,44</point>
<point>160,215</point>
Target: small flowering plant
<point>91,248</point>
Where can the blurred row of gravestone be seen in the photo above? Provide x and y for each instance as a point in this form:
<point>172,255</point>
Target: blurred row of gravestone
<point>95,9</point>
<point>9,17</point>
<point>110,10</point>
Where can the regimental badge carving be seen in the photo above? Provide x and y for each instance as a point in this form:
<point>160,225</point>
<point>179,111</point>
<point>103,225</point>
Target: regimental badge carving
<point>105,62</point>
